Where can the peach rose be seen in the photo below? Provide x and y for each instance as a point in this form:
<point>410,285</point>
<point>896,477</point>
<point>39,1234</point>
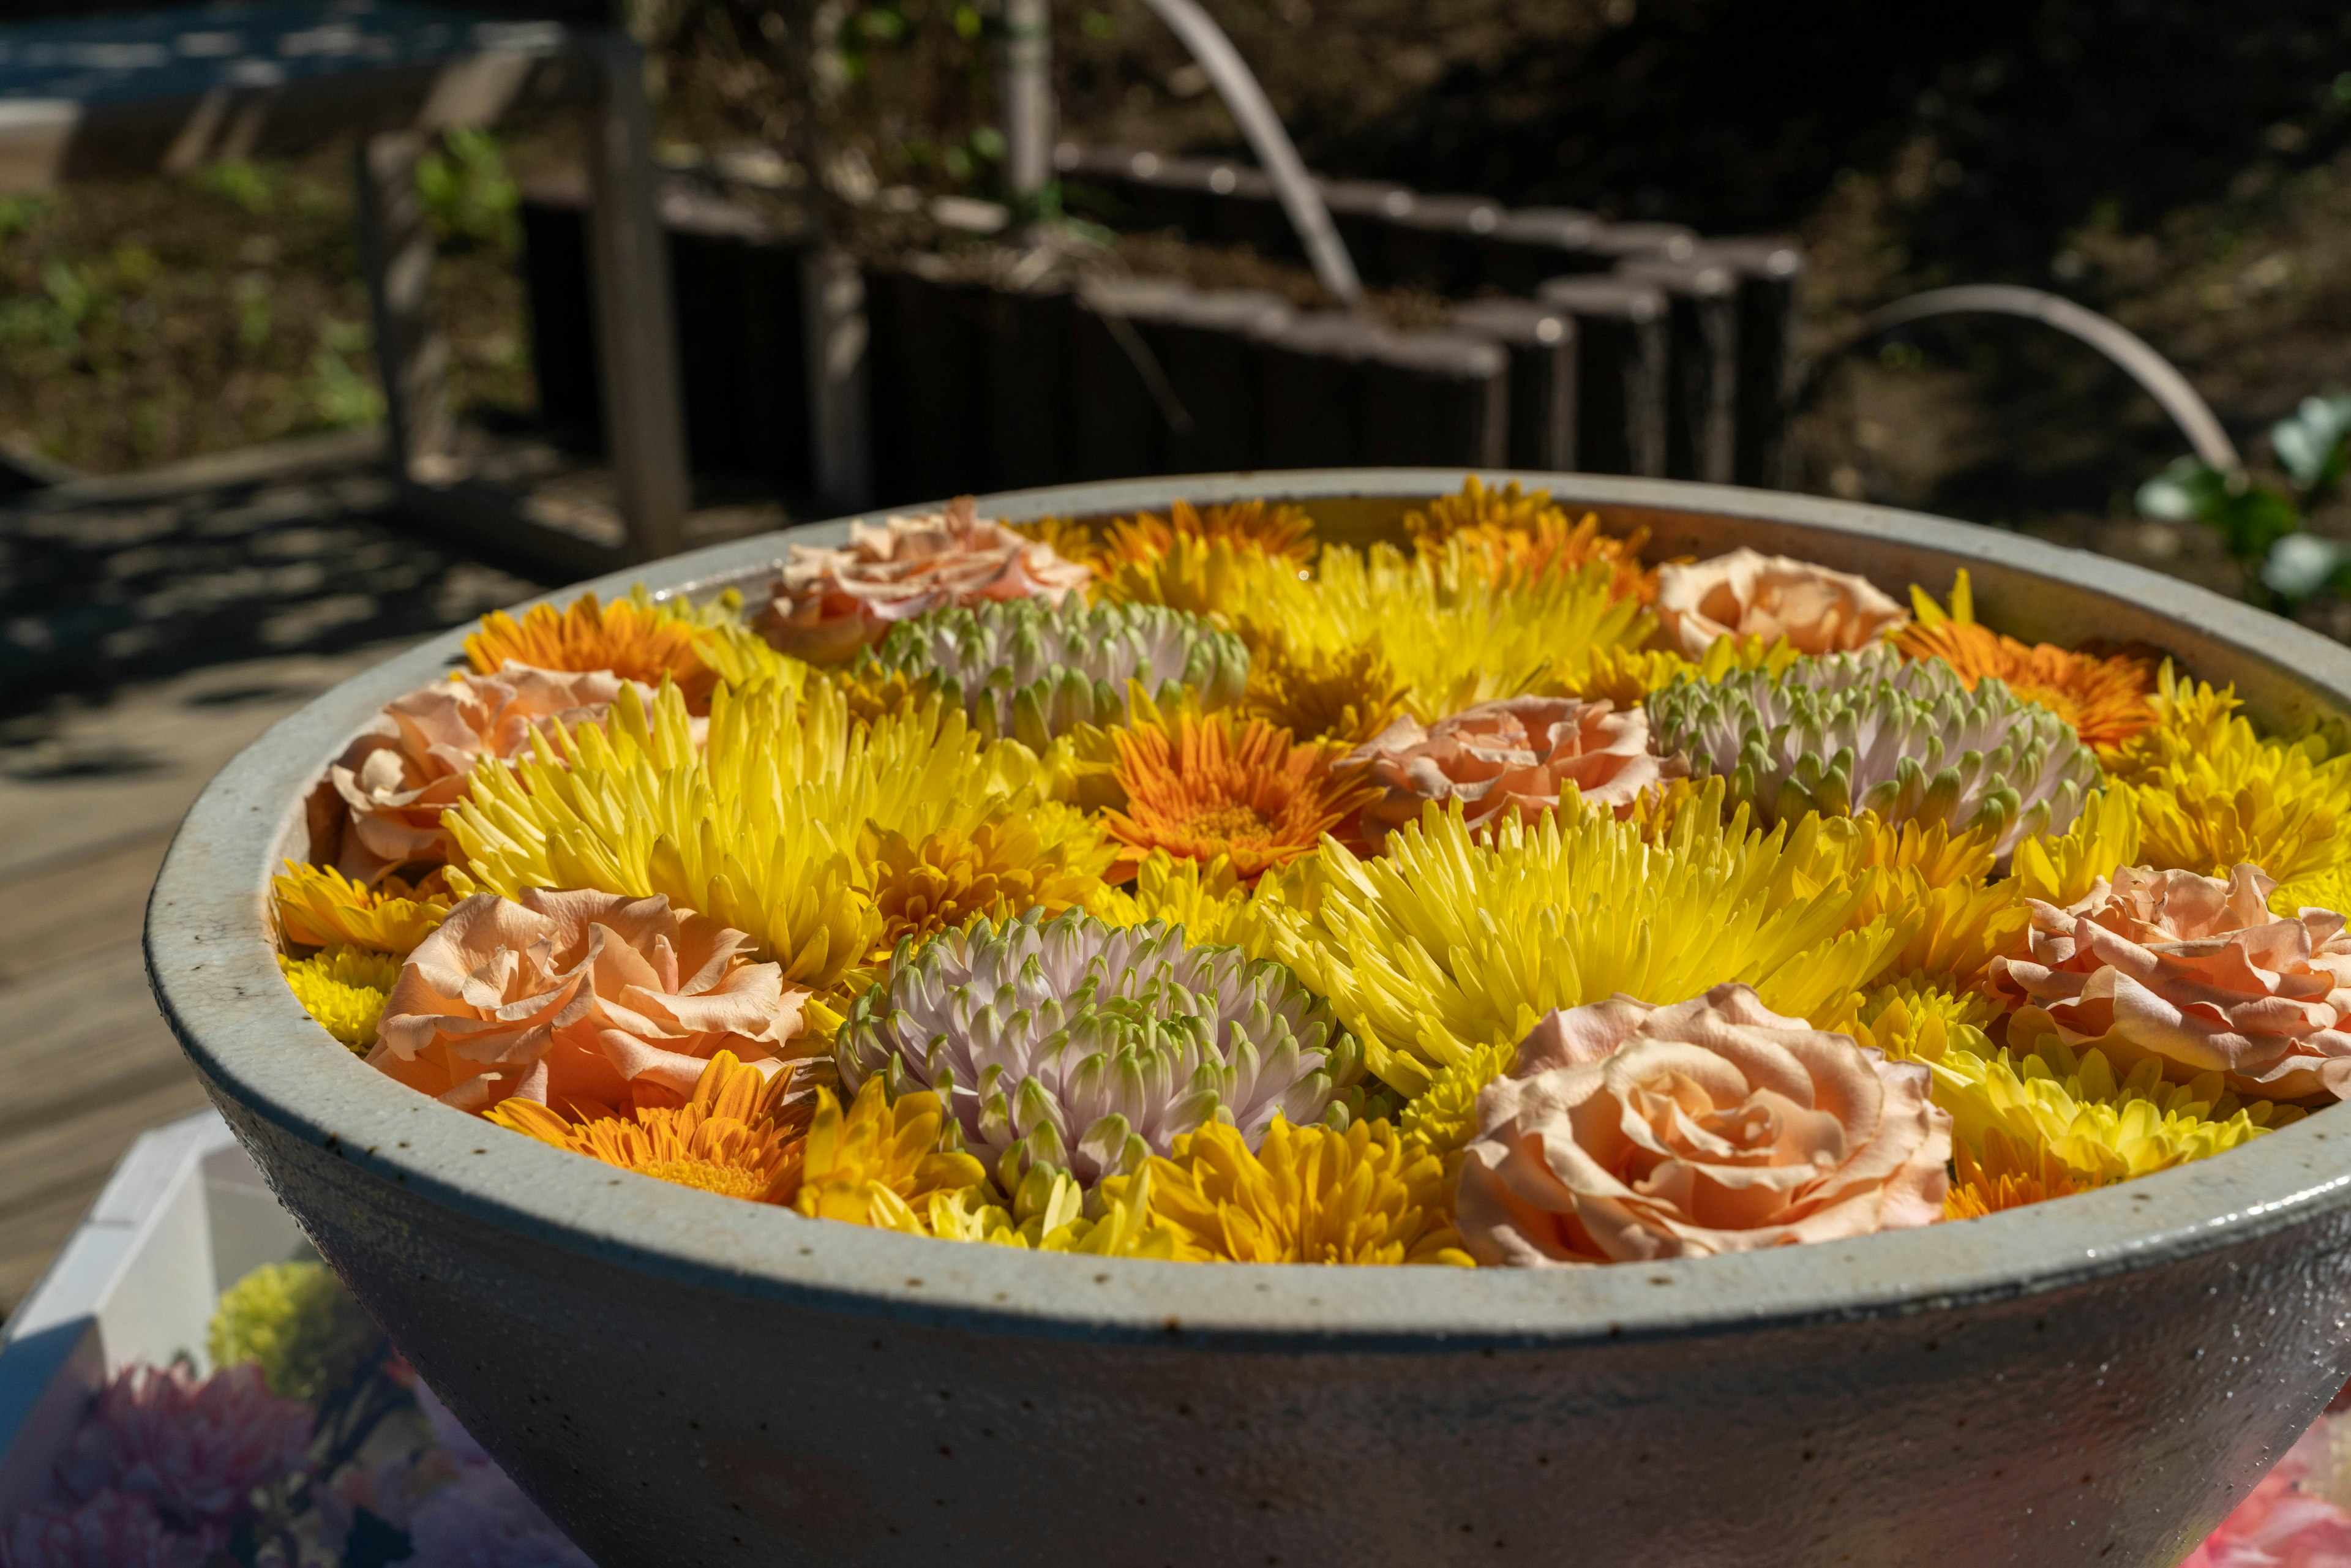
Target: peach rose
<point>1749,594</point>
<point>1626,1131</point>
<point>831,602</point>
<point>2196,971</point>
<point>1522,751</point>
<point>587,1000</point>
<point>395,781</point>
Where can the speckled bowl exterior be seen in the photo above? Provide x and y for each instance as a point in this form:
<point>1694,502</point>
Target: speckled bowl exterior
<point>681,1379</point>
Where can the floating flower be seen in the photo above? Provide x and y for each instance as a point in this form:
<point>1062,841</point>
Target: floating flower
<point>297,1324</point>
<point>997,870</point>
<point>2102,1128</point>
<point>1454,939</point>
<point>1034,671</point>
<point>1628,1132</point>
<point>1910,1021</point>
<point>829,603</point>
<point>2194,971</point>
<point>1086,1048</point>
<point>2212,794</point>
<point>872,692</point>
<point>1442,1117</point>
<point>882,1162</point>
<point>1519,754</point>
<point>1749,594</point>
<point>2008,1174</point>
<point>580,999</point>
<point>1515,531</point>
<point>343,989</point>
<point>192,1447</point>
<point>415,763</point>
<point>1208,786</point>
<point>1047,1215</point>
<point>319,906</point>
<point>1209,560</point>
<point>757,829</point>
<point>105,1530</point>
<point>1938,883</point>
<point>2103,699</point>
<point>1342,694</point>
<point>2062,868</point>
<point>1864,732</point>
<point>1626,676</point>
<point>737,1135</point>
<point>1208,901</point>
<point>1303,1194</point>
<point>693,646</point>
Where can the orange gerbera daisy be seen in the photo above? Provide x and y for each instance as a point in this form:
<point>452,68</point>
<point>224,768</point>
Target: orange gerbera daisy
<point>2007,1176</point>
<point>1208,787</point>
<point>1270,528</point>
<point>738,1134</point>
<point>1510,530</point>
<point>2104,699</point>
<point>635,642</point>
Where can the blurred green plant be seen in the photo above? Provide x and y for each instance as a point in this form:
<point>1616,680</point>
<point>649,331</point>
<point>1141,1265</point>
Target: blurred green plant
<point>335,396</point>
<point>469,195</point>
<point>239,180</point>
<point>297,1324</point>
<point>2264,528</point>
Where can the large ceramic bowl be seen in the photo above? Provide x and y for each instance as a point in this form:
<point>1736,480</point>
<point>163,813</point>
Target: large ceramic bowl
<point>683,1380</point>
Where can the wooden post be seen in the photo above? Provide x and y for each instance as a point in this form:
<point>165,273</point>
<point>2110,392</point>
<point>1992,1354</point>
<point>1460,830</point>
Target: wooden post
<point>628,263</point>
<point>396,252</point>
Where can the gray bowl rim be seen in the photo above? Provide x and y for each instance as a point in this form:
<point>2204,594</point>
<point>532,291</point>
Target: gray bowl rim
<point>215,977</point>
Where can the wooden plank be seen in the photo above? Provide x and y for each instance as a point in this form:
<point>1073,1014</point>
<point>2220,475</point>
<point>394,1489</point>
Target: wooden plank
<point>396,254</point>
<point>54,917</point>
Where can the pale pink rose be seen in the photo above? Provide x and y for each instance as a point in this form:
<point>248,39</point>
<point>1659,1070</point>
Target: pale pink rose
<point>397,779</point>
<point>195,1449</point>
<point>2279,1525</point>
<point>1626,1131</point>
<point>587,999</point>
<point>831,602</point>
<point>2195,971</point>
<point>1749,594</point>
<point>1520,752</point>
<point>105,1530</point>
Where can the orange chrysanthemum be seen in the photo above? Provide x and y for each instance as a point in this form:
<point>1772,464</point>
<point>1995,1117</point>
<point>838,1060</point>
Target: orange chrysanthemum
<point>1512,531</point>
<point>635,642</point>
<point>1209,787</point>
<point>1273,529</point>
<point>2006,1175</point>
<point>738,1134</point>
<point>2104,699</point>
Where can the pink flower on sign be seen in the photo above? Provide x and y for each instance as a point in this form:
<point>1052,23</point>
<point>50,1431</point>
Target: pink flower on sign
<point>831,602</point>
<point>1749,594</point>
<point>195,1449</point>
<point>105,1530</point>
<point>2195,971</point>
<point>1522,751</point>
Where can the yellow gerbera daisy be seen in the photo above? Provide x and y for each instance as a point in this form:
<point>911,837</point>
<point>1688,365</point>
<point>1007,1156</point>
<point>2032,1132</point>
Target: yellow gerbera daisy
<point>880,1162</point>
<point>1307,1195</point>
<point>2104,699</point>
<point>318,906</point>
<point>735,1134</point>
<point>1208,787</point>
<point>2008,1174</point>
<point>343,988</point>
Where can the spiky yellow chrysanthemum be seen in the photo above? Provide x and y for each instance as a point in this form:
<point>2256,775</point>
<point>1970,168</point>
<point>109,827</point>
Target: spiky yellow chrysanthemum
<point>881,1161</point>
<point>758,828</point>
<point>737,1135</point>
<point>1345,696</point>
<point>1512,530</point>
<point>1451,634</point>
<point>318,906</point>
<point>1626,676</point>
<point>1051,858</point>
<point>1047,1215</point>
<point>1455,940</point>
<point>1307,1195</point>
<point>695,646</point>
<point>1444,1116</point>
<point>2104,699</point>
<point>1938,881</point>
<point>1209,560</point>
<point>2212,794</point>
<point>2102,1128</point>
<point>343,988</point>
<point>1209,786</point>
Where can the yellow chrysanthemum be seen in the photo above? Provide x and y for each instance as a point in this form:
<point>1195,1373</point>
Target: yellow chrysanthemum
<point>1909,1021</point>
<point>1345,696</point>
<point>881,1161</point>
<point>732,1137</point>
<point>1444,1116</point>
<point>1071,539</point>
<point>343,988</point>
<point>2328,889</point>
<point>2060,868</point>
<point>1512,530</point>
<point>757,829</point>
<point>2212,794</point>
<point>874,693</point>
<point>1453,636</point>
<point>2102,1128</point>
<point>1209,562</point>
<point>1626,676</point>
<point>2104,699</point>
<point>999,869</point>
<point>1047,1215</point>
<point>2008,1175</point>
<point>318,906</point>
<point>696,647</point>
<point>1307,1195</point>
<point>1939,882</point>
<point>1454,939</point>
